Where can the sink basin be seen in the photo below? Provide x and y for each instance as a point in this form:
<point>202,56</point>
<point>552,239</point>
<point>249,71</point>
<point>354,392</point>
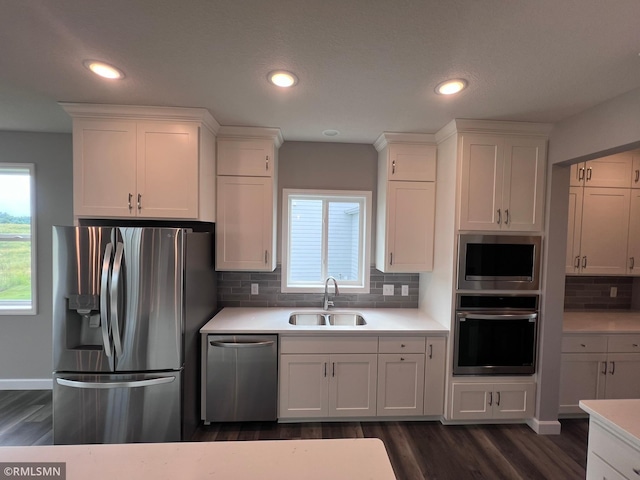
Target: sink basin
<point>307,319</point>
<point>346,319</point>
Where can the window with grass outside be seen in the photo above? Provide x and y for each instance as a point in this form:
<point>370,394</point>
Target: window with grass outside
<point>17,240</point>
<point>325,233</point>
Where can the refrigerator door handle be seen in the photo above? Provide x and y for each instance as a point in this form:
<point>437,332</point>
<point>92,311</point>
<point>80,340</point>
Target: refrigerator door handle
<point>115,284</point>
<point>108,385</point>
<point>104,308</point>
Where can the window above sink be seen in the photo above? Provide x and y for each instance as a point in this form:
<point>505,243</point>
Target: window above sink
<point>325,233</point>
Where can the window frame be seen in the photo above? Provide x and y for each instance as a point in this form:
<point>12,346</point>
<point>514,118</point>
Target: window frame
<point>33,309</point>
<point>365,242</point>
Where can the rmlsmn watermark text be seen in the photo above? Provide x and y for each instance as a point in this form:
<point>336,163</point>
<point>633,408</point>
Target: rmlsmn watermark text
<point>29,470</point>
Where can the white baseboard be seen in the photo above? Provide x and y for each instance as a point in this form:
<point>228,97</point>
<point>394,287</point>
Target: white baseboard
<point>26,384</point>
<point>546,427</point>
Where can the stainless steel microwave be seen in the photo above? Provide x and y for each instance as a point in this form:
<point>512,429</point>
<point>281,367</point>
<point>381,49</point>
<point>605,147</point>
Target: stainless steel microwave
<point>499,262</point>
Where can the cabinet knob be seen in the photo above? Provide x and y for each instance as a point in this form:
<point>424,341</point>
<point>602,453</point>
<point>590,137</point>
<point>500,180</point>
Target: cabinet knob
<point>582,345</point>
<point>402,345</point>
<point>402,359</point>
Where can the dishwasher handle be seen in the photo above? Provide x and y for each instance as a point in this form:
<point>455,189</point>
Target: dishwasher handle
<point>249,344</point>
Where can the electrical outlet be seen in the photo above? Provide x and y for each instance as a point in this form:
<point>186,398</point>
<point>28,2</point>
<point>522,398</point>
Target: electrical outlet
<point>254,289</point>
<point>405,290</point>
<point>387,290</point>
<point>613,292</point>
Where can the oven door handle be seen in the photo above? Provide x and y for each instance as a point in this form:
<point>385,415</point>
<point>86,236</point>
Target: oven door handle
<point>506,316</point>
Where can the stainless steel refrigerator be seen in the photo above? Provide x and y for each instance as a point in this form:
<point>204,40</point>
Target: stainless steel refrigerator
<point>128,303</point>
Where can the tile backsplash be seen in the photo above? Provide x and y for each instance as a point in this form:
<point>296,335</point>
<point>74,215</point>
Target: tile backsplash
<point>593,293</point>
<point>234,290</point>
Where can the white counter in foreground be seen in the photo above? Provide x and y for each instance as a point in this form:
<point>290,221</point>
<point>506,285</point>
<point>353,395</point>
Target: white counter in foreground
<point>342,459</point>
<point>614,439</point>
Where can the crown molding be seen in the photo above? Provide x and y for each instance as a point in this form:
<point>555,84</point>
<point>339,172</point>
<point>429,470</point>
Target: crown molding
<point>387,138</point>
<point>464,125</point>
<point>230,131</point>
<point>139,112</point>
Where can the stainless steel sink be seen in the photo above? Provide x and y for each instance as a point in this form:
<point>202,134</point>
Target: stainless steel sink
<point>307,319</point>
<point>346,319</point>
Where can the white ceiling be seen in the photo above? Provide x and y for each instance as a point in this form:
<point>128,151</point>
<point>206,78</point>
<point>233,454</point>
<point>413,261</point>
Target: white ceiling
<point>365,66</point>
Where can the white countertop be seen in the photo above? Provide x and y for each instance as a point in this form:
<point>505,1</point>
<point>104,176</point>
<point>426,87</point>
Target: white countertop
<point>621,416</point>
<point>624,321</point>
<point>340,459</point>
<point>276,320</point>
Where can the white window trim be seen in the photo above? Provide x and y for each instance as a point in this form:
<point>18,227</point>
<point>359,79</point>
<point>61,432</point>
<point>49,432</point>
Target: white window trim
<point>33,310</point>
<point>366,245</point>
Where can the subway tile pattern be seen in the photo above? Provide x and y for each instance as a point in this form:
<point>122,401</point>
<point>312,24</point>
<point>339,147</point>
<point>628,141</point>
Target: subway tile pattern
<point>593,293</point>
<point>234,290</point>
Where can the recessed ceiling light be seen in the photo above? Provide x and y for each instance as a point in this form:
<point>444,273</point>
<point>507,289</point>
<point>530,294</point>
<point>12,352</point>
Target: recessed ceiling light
<point>103,69</point>
<point>449,87</point>
<point>282,78</point>
<point>331,133</point>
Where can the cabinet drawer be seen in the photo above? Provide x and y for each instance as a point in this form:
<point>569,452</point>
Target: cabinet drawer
<point>402,345</point>
<point>624,344</point>
<point>617,453</point>
<point>326,344</point>
<point>584,343</point>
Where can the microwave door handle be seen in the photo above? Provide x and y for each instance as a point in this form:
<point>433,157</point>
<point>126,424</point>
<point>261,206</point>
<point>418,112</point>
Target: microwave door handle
<point>104,304</point>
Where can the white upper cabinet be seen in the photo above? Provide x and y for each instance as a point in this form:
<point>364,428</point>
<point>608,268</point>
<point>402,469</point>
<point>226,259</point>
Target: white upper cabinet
<point>406,202</point>
<point>143,162</point>
<point>502,182</point>
<point>247,200</point>
<point>251,157</point>
<point>612,171</point>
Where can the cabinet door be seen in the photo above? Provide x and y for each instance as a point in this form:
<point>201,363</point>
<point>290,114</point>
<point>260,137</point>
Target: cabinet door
<point>352,385</point>
<point>400,384</point>
<point>635,174</point>
<point>611,171</point>
<point>633,255</point>
<point>605,224</point>
<point>246,157</point>
<point>581,378</point>
<point>435,371</point>
<point>410,226</point>
<point>578,171</point>
<point>623,380</point>
<point>245,228</point>
<point>104,168</point>
<point>408,162</point>
<point>471,401</point>
<point>167,170</point>
<point>574,227</point>
<point>304,386</point>
<point>514,400</point>
<point>524,180</point>
<point>481,182</point>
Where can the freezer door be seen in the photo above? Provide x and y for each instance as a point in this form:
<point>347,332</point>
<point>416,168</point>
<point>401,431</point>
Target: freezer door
<point>116,408</point>
<point>147,299</point>
<point>82,263</point>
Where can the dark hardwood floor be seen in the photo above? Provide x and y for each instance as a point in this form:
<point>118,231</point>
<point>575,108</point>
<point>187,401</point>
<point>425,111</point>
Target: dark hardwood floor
<point>418,450</point>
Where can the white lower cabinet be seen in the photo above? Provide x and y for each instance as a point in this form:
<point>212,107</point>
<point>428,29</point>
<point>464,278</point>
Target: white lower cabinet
<point>341,385</point>
<point>492,401</point>
<point>400,384</point>
<point>334,377</point>
<point>610,457</point>
<point>598,367</point>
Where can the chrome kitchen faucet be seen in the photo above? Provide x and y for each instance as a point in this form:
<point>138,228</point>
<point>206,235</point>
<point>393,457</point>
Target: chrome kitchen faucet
<point>327,303</point>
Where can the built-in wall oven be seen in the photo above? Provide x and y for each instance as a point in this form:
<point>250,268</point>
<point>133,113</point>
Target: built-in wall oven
<point>495,334</point>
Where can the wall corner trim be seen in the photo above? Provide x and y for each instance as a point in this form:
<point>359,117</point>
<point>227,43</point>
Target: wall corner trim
<point>545,427</point>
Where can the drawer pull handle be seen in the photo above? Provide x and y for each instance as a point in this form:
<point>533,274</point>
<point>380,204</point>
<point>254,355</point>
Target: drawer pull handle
<point>430,350</point>
<point>636,471</point>
<point>582,345</point>
<point>402,345</point>
<point>635,345</point>
<point>498,402</point>
<point>490,398</point>
<point>402,359</point>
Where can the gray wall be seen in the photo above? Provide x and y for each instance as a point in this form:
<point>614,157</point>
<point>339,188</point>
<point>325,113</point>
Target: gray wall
<point>327,166</point>
<point>25,340</point>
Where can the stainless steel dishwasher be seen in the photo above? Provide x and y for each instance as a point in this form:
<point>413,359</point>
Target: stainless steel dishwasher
<point>242,378</point>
